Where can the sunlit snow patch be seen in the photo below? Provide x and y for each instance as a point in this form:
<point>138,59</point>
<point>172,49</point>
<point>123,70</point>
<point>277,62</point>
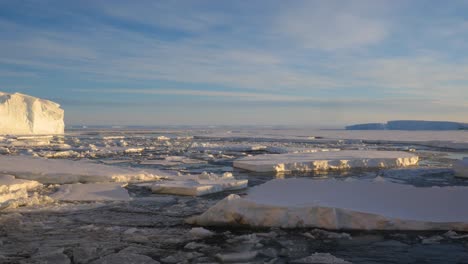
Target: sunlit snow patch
<point>92,192</point>
<point>332,204</point>
<point>69,171</point>
<point>326,160</point>
<point>461,167</point>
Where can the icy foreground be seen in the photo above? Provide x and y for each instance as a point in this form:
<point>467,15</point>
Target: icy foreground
<point>69,171</point>
<point>23,114</point>
<point>329,160</point>
<point>461,168</point>
<point>331,204</point>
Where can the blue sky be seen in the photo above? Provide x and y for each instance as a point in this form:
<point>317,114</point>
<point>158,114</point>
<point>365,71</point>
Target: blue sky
<point>313,63</point>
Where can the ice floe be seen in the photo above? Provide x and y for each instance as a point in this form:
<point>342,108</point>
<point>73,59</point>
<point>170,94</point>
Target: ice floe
<point>326,160</point>
<point>461,167</point>
<point>333,204</point>
<point>69,171</point>
<point>196,185</point>
<point>92,192</point>
<point>14,189</point>
<point>24,114</point>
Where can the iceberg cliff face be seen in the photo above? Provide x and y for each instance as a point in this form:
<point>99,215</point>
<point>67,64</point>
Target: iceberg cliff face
<point>24,114</point>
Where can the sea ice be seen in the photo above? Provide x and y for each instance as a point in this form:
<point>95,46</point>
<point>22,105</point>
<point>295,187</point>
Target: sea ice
<point>14,189</point>
<point>461,167</point>
<point>326,160</point>
<point>335,205</point>
<point>193,185</point>
<point>69,171</point>
<point>92,192</point>
<point>24,114</point>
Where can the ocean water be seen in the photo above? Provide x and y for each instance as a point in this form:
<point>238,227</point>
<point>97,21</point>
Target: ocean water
<point>153,224</point>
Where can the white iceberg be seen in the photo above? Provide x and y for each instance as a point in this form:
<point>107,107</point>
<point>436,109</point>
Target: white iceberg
<point>92,192</point>
<point>193,185</point>
<point>326,160</point>
<point>24,114</point>
<point>461,167</point>
<point>69,171</point>
<point>335,205</point>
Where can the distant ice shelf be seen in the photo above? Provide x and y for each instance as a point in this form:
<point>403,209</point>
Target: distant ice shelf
<point>326,160</point>
<point>333,204</point>
<point>410,125</point>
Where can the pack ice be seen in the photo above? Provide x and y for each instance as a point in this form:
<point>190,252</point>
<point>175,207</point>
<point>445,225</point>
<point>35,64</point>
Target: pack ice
<point>332,204</point>
<point>70,171</point>
<point>24,114</point>
<point>326,160</point>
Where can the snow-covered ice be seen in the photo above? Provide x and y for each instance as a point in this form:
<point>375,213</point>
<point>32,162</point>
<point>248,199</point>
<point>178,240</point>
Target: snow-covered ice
<point>13,189</point>
<point>461,167</point>
<point>92,192</point>
<point>347,159</point>
<point>24,114</point>
<point>193,185</point>
<point>69,171</point>
<point>332,204</point>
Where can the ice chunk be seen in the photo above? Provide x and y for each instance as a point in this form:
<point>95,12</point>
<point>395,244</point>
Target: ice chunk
<point>69,171</point>
<point>92,192</point>
<point>24,114</point>
<point>321,258</point>
<point>195,186</point>
<point>326,160</point>
<point>461,167</point>
<point>335,205</point>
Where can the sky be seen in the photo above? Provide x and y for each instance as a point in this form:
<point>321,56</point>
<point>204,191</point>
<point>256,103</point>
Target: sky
<point>271,62</point>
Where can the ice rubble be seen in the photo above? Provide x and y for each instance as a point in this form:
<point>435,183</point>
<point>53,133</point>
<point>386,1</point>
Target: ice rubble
<point>197,185</point>
<point>12,188</point>
<point>24,114</point>
<point>69,171</point>
<point>332,204</point>
<point>92,192</point>
<point>461,167</point>
<point>326,160</point>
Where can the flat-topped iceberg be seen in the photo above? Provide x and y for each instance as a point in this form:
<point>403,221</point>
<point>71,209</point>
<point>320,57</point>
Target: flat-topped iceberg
<point>410,125</point>
<point>70,171</point>
<point>461,167</point>
<point>326,160</point>
<point>333,204</point>
<point>24,114</point>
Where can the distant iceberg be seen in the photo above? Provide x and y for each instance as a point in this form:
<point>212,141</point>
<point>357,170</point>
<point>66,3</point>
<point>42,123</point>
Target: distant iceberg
<point>24,114</point>
<point>410,125</point>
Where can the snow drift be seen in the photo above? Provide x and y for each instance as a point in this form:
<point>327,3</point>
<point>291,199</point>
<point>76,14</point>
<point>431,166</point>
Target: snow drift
<point>24,114</point>
<point>332,204</point>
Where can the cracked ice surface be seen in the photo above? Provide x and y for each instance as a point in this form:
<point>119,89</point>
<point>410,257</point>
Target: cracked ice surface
<point>332,204</point>
<point>348,159</point>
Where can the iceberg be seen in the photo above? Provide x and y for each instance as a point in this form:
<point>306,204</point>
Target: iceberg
<point>461,167</point>
<point>336,205</point>
<point>70,171</point>
<point>24,114</point>
<point>92,192</point>
<point>410,125</point>
<point>326,160</point>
